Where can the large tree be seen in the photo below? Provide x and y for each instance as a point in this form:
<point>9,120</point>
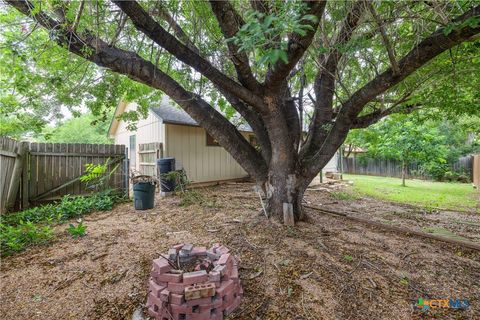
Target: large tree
<point>284,67</point>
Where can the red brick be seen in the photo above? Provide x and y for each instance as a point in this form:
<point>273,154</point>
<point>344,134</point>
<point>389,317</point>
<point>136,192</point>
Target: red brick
<point>152,313</point>
<point>183,308</point>
<point>178,246</point>
<point>195,277</point>
<point>217,303</point>
<point>234,274</point>
<point>199,251</point>
<point>224,258</point>
<point>201,301</point>
<point>170,277</point>
<point>161,265</point>
<point>199,316</point>
<point>232,307</point>
<point>220,268</point>
<point>177,288</point>
<point>222,250</point>
<point>214,276</point>
<point>165,295</point>
<point>212,255</point>
<point>153,301</point>
<point>154,288</point>
<point>176,298</point>
<point>225,288</point>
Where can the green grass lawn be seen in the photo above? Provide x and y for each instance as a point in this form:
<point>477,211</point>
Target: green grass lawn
<point>456,196</point>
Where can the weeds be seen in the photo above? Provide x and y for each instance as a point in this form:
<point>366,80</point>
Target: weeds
<point>344,195</point>
<point>77,231</point>
<point>16,238</point>
<point>33,226</point>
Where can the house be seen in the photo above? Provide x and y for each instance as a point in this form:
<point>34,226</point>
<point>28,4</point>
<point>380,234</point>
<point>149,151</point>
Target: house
<point>170,132</point>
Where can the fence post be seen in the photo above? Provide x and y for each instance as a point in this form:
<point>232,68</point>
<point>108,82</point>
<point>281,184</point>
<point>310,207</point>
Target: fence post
<point>126,173</point>
<point>16,174</point>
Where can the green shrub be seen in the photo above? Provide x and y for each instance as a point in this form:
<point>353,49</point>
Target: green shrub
<point>344,195</point>
<point>32,226</point>
<point>67,208</point>
<point>14,239</point>
<point>77,231</point>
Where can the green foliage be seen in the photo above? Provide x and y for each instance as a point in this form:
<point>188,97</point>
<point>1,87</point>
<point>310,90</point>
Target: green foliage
<point>33,226</point>
<point>77,231</point>
<point>96,176</point>
<point>83,129</point>
<point>69,207</point>
<point>344,195</point>
<point>432,144</point>
<point>16,238</point>
<point>262,32</point>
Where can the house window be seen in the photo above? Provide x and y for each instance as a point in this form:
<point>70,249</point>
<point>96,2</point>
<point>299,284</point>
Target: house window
<point>210,141</point>
<point>133,151</point>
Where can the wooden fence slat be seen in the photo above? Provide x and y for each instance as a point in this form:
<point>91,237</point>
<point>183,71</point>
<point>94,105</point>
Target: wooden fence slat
<point>49,171</point>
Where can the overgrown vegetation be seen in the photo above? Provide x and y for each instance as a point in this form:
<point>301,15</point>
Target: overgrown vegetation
<point>77,231</point>
<point>33,226</point>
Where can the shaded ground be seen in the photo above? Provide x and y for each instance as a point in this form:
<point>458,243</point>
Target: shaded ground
<point>329,268</point>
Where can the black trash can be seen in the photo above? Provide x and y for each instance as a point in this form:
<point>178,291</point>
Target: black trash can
<point>143,195</point>
<point>166,165</point>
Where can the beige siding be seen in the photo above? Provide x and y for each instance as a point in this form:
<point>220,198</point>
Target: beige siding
<point>187,144</point>
<point>148,130</point>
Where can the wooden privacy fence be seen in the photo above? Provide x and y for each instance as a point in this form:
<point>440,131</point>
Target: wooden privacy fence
<point>39,172</point>
<point>148,154</point>
<point>10,169</point>
<point>393,168</point>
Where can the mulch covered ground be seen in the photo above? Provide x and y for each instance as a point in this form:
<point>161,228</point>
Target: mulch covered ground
<point>329,268</point>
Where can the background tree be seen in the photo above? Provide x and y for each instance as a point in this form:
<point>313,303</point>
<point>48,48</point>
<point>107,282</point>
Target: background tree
<point>406,140</point>
<point>356,61</point>
<point>82,129</point>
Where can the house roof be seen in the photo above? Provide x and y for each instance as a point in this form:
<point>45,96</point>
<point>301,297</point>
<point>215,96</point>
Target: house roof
<point>168,114</point>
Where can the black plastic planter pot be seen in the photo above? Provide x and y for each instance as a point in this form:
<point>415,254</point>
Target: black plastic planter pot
<point>144,195</point>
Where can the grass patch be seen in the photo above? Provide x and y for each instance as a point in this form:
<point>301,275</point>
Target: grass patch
<point>344,195</point>
<point>429,194</point>
<point>34,226</point>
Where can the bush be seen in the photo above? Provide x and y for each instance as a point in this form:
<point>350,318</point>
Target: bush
<point>68,207</point>
<point>14,239</point>
<point>32,226</point>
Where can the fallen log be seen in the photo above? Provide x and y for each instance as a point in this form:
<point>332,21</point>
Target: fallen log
<point>406,231</point>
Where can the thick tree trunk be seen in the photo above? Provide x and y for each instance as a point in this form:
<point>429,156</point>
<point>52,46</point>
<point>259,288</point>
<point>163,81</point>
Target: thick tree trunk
<point>404,172</point>
<point>285,193</point>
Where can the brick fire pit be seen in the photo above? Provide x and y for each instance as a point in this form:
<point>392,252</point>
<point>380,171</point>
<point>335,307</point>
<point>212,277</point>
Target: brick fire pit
<point>193,283</point>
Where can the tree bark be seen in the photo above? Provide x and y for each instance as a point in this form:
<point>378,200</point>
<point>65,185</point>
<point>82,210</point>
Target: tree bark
<point>404,172</point>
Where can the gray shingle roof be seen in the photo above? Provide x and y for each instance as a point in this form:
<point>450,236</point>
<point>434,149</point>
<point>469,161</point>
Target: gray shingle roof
<point>171,114</point>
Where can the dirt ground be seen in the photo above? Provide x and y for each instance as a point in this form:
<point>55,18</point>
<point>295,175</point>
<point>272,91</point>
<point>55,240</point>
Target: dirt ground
<point>328,268</point>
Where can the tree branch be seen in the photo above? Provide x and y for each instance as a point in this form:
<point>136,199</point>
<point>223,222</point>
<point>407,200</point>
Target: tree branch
<point>324,85</point>
<point>131,64</point>
<point>437,43</point>
<point>230,22</point>
<point>177,30</point>
<point>297,45</point>
<point>146,24</point>
<point>386,41</point>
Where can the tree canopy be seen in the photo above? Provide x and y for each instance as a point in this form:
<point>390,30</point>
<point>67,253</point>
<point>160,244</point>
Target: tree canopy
<point>328,66</point>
